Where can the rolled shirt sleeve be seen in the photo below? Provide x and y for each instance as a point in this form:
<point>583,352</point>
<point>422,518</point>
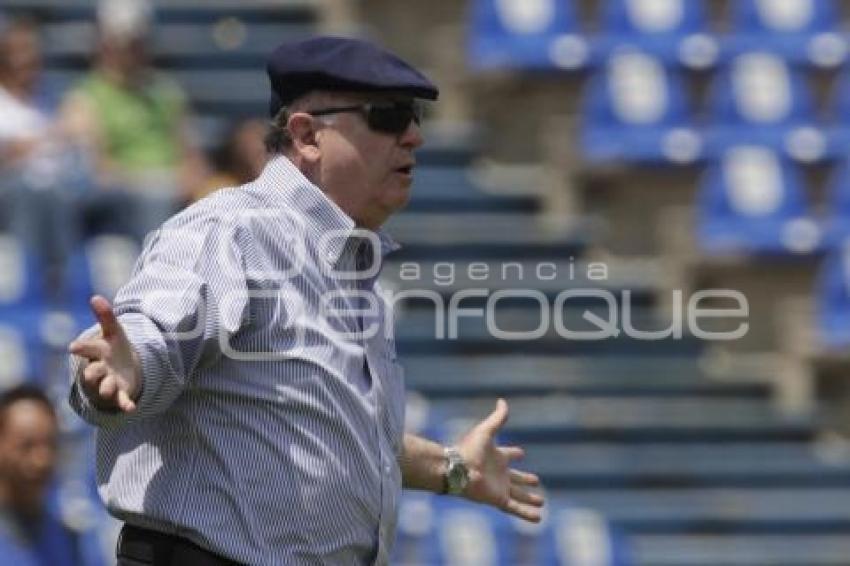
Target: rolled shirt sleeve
<point>186,296</point>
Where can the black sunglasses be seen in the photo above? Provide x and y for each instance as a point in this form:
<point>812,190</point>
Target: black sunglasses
<point>389,118</point>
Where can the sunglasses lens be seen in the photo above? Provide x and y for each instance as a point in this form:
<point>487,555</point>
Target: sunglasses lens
<point>393,119</point>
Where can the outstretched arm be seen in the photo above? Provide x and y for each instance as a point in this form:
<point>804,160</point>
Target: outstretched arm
<point>185,298</point>
<point>491,479</point>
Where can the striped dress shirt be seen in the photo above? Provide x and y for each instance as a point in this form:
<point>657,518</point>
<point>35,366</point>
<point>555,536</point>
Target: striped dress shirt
<point>270,422</point>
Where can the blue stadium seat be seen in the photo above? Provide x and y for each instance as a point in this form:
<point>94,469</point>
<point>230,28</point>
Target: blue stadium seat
<point>833,298</point>
<point>576,536</point>
<point>759,99</point>
<point>437,530</point>
<point>525,34</point>
<point>416,522</point>
<point>101,266</point>
<point>22,305</point>
<point>674,31</point>
<point>21,276</point>
<point>530,542</point>
<point>465,533</point>
<point>21,348</point>
<point>753,201</point>
<point>636,110</point>
<point>801,31</point>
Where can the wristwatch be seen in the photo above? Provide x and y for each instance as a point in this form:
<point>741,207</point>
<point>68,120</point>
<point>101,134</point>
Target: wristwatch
<point>456,477</point>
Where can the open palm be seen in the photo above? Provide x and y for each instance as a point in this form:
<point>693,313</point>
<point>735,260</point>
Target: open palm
<point>491,479</point>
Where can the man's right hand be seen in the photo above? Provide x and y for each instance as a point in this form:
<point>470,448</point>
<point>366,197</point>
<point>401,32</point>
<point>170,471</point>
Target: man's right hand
<point>112,379</point>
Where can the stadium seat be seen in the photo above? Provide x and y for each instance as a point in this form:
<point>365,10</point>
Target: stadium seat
<point>578,536</point>
<point>528,545</point>
<point>21,276</point>
<point>101,266</point>
<point>636,110</point>
<point>833,298</point>
<point>801,31</point>
<point>672,30</point>
<point>753,201</point>
<point>22,305</point>
<point>525,34</point>
<point>470,535</point>
<point>435,531</point>
<point>21,348</point>
<point>416,522</point>
<point>759,99</point>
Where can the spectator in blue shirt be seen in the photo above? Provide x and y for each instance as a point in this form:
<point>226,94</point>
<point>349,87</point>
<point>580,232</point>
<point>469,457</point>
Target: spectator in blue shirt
<point>30,535</point>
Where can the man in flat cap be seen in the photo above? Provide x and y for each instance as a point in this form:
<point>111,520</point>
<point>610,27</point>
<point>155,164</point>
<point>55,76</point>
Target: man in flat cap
<point>245,383</point>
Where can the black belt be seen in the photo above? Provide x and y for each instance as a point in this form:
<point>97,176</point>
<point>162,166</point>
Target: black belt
<point>143,547</point>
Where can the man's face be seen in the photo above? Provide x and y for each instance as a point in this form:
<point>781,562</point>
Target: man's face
<point>369,173</point>
<point>27,452</point>
<point>23,57</point>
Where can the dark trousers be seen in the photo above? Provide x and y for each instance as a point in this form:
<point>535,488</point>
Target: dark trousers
<point>143,547</point>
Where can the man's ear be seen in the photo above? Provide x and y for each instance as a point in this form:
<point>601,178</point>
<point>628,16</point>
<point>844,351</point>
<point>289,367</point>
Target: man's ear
<point>302,129</point>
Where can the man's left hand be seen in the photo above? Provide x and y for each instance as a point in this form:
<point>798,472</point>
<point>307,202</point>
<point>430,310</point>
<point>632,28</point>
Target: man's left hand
<point>491,479</point>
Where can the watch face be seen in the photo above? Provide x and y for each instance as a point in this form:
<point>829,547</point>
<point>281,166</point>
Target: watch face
<point>458,477</point>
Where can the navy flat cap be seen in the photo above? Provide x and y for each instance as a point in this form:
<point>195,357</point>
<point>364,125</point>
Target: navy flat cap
<point>340,63</point>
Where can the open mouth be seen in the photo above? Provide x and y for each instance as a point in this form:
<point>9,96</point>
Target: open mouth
<point>406,170</point>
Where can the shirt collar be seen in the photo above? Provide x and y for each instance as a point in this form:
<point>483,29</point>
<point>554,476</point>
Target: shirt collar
<point>284,186</point>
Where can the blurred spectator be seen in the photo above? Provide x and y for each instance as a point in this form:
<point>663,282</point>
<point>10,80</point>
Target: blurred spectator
<point>240,159</point>
<point>134,122</point>
<point>30,535</point>
<point>35,163</point>
<point>23,123</point>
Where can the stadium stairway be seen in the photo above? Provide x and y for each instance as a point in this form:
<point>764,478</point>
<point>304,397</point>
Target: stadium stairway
<point>683,467</point>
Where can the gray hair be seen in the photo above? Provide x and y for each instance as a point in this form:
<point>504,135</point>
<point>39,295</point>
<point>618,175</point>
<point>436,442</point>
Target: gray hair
<point>278,138</point>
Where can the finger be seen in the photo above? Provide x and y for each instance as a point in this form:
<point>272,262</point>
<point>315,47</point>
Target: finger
<point>124,402</point>
<point>498,417</point>
<point>526,512</point>
<point>512,452</point>
<point>108,387</point>
<point>93,348</point>
<point>93,373</point>
<point>525,496</point>
<point>102,310</point>
<point>524,478</point>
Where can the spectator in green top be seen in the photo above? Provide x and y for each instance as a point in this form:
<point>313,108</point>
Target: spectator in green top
<point>134,122</point>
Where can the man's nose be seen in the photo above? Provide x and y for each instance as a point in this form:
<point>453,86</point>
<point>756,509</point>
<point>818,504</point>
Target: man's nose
<point>412,138</point>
